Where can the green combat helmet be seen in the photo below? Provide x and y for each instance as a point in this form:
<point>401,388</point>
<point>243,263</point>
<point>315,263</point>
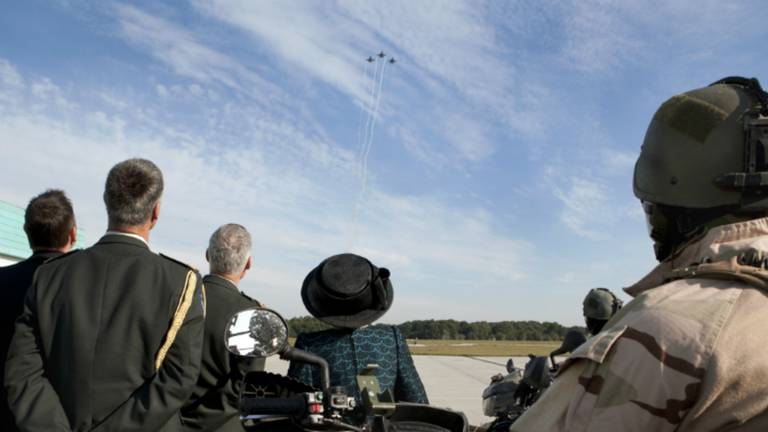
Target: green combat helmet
<point>704,162</point>
<point>600,305</point>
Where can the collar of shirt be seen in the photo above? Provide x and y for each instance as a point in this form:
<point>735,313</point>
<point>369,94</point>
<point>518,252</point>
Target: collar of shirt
<point>136,236</point>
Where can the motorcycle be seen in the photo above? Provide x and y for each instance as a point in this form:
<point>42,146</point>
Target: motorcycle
<point>509,396</point>
<point>278,403</point>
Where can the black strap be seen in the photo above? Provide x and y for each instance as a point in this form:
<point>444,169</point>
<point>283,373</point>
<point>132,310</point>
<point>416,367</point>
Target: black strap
<point>750,84</point>
<point>748,267</point>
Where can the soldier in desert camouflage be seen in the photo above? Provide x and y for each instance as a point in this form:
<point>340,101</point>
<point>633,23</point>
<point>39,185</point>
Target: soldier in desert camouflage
<point>689,353</point>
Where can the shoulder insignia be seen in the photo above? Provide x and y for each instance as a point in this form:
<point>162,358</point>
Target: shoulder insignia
<point>62,255</point>
<point>204,300</point>
<point>177,261</point>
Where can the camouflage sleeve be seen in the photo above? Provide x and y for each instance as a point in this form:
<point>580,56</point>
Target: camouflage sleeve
<point>31,397</point>
<point>624,381</point>
<point>549,412</point>
<point>303,371</point>
<point>408,386</point>
<point>154,404</point>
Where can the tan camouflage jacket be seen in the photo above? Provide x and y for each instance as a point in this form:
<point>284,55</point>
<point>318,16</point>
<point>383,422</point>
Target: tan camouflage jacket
<point>687,355</point>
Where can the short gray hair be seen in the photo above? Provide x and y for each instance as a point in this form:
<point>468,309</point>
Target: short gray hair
<point>229,249</point>
<point>132,189</point>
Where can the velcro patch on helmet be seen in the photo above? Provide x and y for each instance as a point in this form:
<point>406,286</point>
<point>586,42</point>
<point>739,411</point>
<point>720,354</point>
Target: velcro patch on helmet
<point>690,116</point>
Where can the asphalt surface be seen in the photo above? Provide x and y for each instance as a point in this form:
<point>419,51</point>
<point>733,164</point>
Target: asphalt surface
<point>451,382</point>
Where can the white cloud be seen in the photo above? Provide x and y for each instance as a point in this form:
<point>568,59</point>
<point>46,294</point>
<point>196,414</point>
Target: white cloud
<point>162,90</point>
<point>297,207</point>
<point>186,54</point>
<point>449,56</point>
<point>618,160</point>
<point>419,147</point>
<point>603,37</point>
<point>195,90</point>
<point>11,83</point>
<point>586,208</point>
<point>468,136</point>
<point>599,39</point>
<point>9,76</point>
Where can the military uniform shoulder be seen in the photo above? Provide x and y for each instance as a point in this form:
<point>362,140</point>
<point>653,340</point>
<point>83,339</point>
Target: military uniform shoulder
<point>174,260</point>
<point>249,298</point>
<point>247,301</point>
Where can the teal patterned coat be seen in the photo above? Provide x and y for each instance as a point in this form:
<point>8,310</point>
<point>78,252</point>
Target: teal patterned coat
<point>349,351</point>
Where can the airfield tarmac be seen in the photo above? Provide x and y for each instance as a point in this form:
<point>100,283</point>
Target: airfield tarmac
<point>453,382</point>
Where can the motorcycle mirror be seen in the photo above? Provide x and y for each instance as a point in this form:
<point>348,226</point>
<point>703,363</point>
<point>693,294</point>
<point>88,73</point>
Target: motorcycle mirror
<point>511,366</point>
<point>256,333</point>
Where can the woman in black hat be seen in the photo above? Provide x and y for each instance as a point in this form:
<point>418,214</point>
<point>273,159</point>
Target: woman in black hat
<point>349,293</point>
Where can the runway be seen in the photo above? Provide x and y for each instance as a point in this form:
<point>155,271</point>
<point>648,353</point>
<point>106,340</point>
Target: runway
<point>451,382</point>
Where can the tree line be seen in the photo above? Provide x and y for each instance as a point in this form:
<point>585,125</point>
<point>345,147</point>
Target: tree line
<point>452,329</point>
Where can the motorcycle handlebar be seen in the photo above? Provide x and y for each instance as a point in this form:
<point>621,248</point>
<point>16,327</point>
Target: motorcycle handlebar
<point>293,406</point>
<point>295,354</point>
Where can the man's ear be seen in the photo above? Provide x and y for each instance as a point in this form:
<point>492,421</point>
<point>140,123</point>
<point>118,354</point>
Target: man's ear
<point>207,257</point>
<point>247,266</point>
<point>71,240</point>
<point>155,214</point>
<point>72,237</point>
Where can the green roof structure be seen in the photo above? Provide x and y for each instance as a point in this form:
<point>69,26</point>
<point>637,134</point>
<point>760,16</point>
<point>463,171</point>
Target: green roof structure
<point>13,239</point>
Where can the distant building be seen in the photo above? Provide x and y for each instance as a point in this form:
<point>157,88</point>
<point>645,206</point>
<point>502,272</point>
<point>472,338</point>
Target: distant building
<point>13,240</point>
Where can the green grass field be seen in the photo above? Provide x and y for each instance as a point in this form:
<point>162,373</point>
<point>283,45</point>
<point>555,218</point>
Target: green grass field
<point>483,348</point>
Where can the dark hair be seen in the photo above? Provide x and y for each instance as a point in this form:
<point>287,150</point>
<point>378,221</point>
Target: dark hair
<point>48,219</point>
<point>132,189</point>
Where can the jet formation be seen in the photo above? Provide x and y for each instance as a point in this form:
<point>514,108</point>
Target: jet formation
<point>374,71</point>
<point>381,55</point>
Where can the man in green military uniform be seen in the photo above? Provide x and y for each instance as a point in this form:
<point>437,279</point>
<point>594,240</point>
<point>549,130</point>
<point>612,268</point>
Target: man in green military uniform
<point>688,353</point>
<point>213,405</point>
<point>110,337</point>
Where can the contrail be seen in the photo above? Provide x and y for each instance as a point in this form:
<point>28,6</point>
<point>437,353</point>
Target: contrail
<point>369,110</point>
<point>366,110</point>
<point>377,85</point>
<point>363,112</point>
<point>374,116</point>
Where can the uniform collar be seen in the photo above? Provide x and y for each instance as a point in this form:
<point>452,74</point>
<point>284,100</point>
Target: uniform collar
<point>46,253</point>
<point>127,238</point>
<point>220,280</point>
<point>715,244</point>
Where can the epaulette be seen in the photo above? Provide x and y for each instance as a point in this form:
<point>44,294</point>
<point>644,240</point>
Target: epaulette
<point>177,261</point>
<point>58,257</point>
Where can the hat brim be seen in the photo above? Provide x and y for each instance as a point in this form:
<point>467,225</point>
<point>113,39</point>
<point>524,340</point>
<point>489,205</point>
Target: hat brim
<point>356,320</point>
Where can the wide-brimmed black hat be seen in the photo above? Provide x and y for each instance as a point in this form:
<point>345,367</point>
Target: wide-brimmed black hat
<point>347,291</point>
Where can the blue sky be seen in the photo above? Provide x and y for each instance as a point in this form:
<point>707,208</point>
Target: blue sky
<point>497,184</point>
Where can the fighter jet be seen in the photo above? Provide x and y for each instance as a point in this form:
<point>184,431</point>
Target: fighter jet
<point>392,60</point>
<point>382,55</point>
<point>370,59</point>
